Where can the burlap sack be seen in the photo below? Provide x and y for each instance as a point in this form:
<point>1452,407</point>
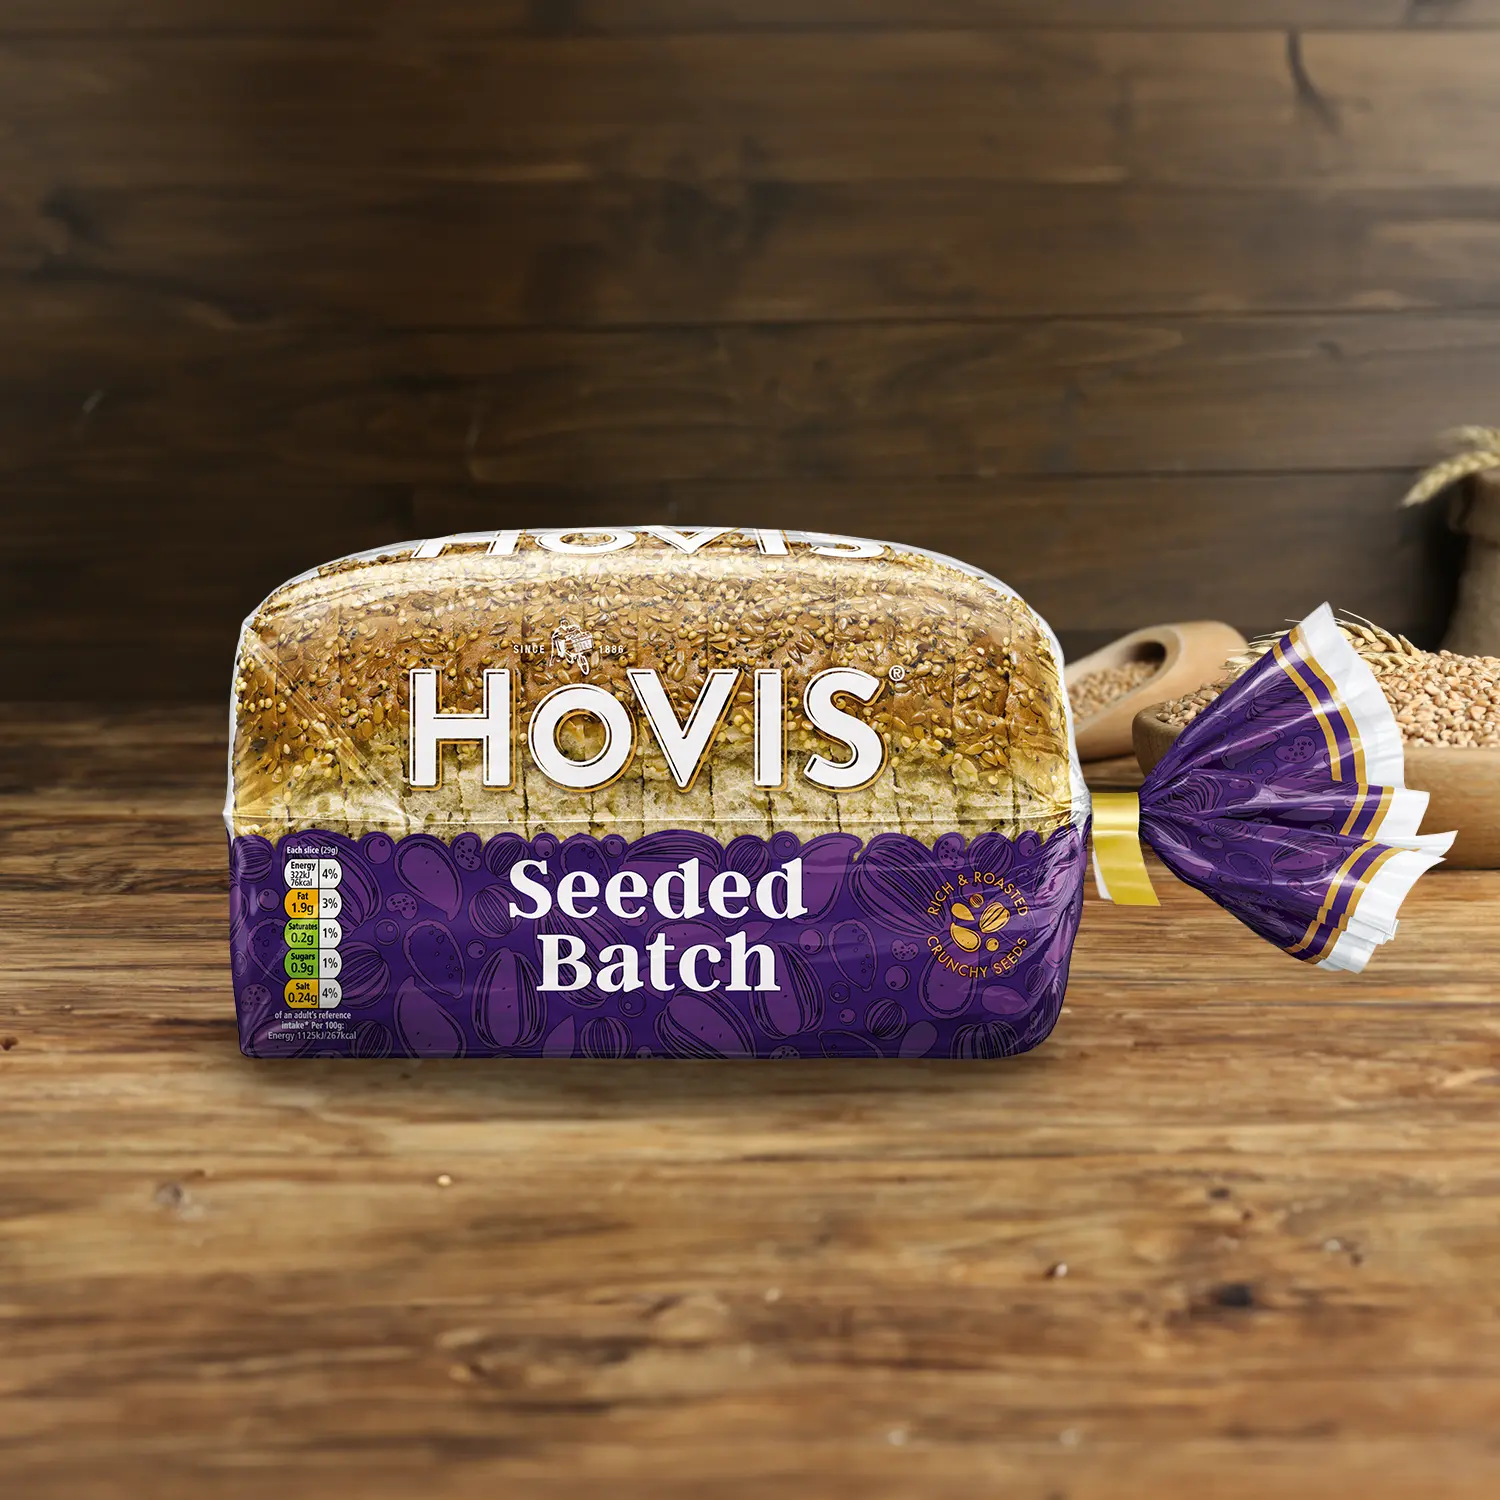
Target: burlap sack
<point>1474,629</point>
<point>1471,478</point>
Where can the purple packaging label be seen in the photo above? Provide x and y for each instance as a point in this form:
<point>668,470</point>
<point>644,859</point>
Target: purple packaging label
<point>671,946</point>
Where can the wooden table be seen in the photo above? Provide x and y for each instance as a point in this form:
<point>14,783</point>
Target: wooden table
<point>1234,1231</point>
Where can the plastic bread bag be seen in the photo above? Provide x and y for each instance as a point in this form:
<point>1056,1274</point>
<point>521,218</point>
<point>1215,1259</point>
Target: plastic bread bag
<point>717,793</point>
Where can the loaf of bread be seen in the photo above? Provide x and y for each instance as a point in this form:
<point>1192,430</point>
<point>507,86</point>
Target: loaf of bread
<point>967,697</point>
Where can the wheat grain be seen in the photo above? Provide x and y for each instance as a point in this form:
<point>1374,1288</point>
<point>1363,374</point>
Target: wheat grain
<point>1438,697</point>
<point>1095,692</point>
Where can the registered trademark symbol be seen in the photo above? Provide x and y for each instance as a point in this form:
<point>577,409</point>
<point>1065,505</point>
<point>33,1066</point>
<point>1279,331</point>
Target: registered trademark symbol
<point>898,674</point>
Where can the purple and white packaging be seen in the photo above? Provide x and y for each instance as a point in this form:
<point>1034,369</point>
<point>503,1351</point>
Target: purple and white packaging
<point>715,793</point>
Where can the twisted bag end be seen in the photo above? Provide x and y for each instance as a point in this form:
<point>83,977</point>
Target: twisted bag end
<point>1284,801</point>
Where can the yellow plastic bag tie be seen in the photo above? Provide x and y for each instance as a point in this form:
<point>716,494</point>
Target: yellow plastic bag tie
<point>1119,867</point>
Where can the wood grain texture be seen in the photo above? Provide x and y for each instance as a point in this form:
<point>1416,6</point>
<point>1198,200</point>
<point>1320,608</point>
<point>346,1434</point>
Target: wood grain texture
<point>140,594</point>
<point>1207,109</point>
<point>96,586</point>
<point>873,401</point>
<point>917,270</point>
<point>632,251</point>
<point>388,18</point>
<point>1274,1192</point>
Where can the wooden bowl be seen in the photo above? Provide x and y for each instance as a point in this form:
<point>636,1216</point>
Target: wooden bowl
<point>1190,654</point>
<point>1464,785</point>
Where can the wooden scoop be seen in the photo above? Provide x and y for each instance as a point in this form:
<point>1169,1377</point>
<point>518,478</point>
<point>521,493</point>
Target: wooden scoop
<point>1188,655</point>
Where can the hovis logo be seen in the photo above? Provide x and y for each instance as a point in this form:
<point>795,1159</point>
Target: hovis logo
<point>571,645</point>
<point>684,743</point>
<point>587,542</point>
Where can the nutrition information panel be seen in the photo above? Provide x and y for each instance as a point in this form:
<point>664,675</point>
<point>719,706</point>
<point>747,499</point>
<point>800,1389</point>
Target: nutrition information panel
<point>313,933</point>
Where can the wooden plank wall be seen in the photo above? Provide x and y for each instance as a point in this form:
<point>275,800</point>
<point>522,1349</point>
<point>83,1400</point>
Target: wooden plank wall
<point>1150,306</point>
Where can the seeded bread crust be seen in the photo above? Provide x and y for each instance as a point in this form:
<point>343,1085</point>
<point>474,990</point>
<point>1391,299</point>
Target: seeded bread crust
<point>972,709</point>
